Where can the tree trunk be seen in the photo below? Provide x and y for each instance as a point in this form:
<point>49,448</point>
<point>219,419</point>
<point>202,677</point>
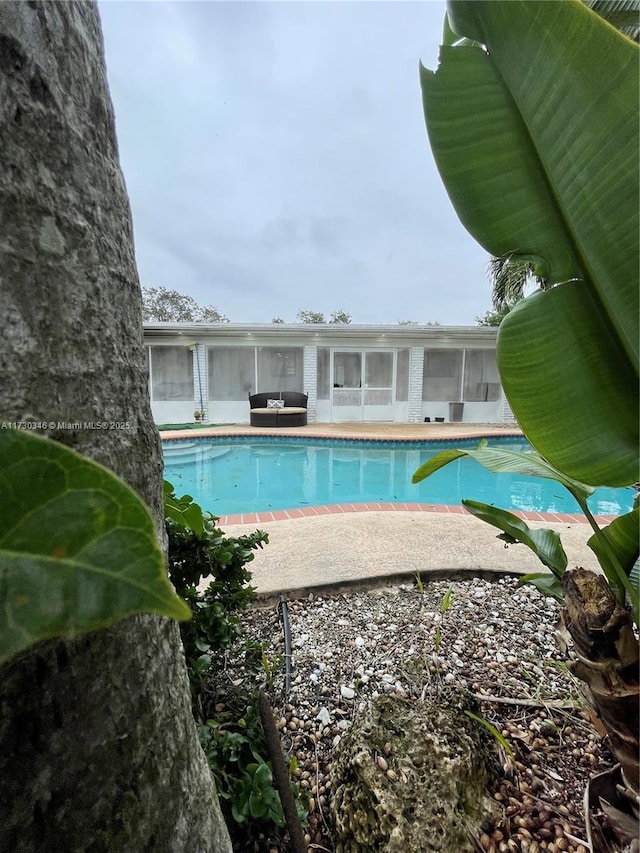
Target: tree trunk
<point>98,749</point>
<point>608,654</point>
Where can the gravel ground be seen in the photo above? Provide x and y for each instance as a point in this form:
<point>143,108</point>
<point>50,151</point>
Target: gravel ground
<point>494,639</point>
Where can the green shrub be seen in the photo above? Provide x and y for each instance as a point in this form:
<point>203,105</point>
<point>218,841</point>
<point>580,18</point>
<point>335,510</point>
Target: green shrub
<point>234,741</point>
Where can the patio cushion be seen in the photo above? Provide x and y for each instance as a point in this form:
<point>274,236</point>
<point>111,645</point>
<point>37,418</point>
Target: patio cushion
<point>290,410</point>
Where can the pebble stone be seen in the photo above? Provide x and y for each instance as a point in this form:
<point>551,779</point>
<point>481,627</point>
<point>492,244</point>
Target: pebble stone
<point>495,639</point>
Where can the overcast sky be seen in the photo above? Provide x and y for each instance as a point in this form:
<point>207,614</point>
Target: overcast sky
<point>276,159</point>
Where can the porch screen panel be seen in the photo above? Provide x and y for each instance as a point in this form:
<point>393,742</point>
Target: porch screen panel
<point>402,376</point>
<point>347,370</point>
<point>280,369</point>
<point>323,373</point>
<point>481,377</point>
<point>172,373</point>
<point>441,374</point>
<point>231,372</point>
<point>378,369</point>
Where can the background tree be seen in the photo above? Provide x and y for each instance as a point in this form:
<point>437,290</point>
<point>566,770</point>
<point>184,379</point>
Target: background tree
<point>98,750</point>
<point>277,320</point>
<point>161,305</point>
<point>511,278</point>
<point>340,316</point>
<point>494,318</point>
<point>310,317</point>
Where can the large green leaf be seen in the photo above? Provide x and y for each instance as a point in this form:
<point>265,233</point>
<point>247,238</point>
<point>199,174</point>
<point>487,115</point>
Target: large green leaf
<point>545,583</point>
<point>501,460</point>
<point>544,543</point>
<point>624,15</point>
<point>575,400</point>
<point>78,548</point>
<point>616,546</point>
<point>536,138</point>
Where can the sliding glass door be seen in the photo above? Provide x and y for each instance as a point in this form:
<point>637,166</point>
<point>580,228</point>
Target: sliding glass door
<point>362,385</point>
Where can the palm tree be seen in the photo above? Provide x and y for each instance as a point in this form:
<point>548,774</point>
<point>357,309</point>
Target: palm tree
<point>510,277</point>
<point>624,15</point>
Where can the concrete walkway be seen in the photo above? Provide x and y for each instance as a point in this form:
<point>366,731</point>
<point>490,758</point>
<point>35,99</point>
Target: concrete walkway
<point>361,547</point>
<point>319,551</point>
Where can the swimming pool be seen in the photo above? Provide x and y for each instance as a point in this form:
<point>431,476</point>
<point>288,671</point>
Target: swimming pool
<point>240,474</point>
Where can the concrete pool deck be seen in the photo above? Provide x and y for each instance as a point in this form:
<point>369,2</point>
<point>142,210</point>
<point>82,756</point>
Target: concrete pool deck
<point>323,547</point>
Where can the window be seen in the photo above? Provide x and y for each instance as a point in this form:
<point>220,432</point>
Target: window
<point>323,373</point>
<point>231,372</point>
<point>347,370</point>
<point>171,373</point>
<point>280,369</point>
<point>378,369</point>
<point>441,374</point>
<point>402,376</point>
<point>481,377</point>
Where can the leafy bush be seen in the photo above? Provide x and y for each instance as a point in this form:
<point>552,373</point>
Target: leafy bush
<point>198,550</point>
<point>234,741</point>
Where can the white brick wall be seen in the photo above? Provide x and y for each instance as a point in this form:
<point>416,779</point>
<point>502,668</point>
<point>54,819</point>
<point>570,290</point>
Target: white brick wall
<point>310,371</point>
<point>416,365</point>
<point>200,381</point>
<point>506,414</point>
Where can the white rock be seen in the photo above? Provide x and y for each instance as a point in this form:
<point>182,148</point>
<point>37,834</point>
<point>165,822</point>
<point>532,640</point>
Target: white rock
<point>347,692</point>
<point>323,715</point>
<point>359,642</point>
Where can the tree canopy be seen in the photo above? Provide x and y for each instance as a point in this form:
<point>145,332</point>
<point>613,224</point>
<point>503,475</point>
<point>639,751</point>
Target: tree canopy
<point>164,306</point>
<point>337,316</point>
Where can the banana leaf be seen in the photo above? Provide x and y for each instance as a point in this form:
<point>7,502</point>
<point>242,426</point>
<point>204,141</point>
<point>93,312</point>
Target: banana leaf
<point>536,138</point>
<point>544,543</point>
<point>616,545</point>
<point>501,460</point>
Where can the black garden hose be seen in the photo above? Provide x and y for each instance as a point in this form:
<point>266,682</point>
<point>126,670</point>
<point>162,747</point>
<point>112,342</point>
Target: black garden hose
<point>284,612</point>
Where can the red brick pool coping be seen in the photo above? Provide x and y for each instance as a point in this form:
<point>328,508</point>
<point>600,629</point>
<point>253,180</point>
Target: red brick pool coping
<point>336,509</point>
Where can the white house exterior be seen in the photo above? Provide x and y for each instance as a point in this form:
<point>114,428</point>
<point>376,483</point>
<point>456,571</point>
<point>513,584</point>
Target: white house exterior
<point>401,374</point>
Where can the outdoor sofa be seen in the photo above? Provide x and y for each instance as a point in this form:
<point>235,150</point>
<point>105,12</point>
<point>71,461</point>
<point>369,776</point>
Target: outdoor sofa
<point>278,409</point>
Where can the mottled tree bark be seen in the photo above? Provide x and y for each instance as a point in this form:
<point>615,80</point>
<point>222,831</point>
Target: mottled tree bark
<point>608,656</point>
<point>98,749</point>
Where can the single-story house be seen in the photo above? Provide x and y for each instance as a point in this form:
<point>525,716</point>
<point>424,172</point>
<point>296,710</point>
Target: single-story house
<point>393,373</point>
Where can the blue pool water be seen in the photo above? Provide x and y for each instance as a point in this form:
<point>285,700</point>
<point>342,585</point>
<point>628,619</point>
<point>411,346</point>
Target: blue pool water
<point>246,474</point>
